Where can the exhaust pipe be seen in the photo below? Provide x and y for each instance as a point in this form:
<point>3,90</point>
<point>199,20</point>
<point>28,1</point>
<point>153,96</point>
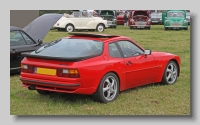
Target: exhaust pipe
<point>32,87</point>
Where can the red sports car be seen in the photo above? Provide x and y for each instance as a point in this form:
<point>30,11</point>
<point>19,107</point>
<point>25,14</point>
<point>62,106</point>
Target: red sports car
<point>96,64</point>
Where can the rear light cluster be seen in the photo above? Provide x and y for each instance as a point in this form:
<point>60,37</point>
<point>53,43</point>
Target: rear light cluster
<point>27,68</point>
<point>69,73</point>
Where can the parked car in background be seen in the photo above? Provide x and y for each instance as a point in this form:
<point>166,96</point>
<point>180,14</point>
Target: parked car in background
<point>29,38</point>
<point>96,64</point>
<point>120,18</point>
<point>110,16</point>
<point>156,18</point>
<point>139,19</point>
<point>175,19</point>
<point>80,21</point>
<point>188,17</point>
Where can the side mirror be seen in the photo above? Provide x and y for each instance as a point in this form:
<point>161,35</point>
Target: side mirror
<point>39,42</point>
<point>147,52</point>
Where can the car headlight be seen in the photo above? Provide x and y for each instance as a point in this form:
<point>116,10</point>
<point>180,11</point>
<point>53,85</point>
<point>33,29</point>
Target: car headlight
<point>149,20</point>
<point>185,21</point>
<point>160,19</point>
<point>132,20</point>
<point>167,21</point>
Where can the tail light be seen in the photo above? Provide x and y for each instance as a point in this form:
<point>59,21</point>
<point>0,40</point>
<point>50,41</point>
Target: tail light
<point>69,73</point>
<point>27,68</point>
<point>57,24</point>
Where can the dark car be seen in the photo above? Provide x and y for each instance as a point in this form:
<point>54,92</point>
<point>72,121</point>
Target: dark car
<point>29,38</point>
<point>110,16</point>
<point>156,18</point>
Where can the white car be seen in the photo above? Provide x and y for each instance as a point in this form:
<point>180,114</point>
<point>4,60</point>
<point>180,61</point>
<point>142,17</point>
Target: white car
<point>80,20</point>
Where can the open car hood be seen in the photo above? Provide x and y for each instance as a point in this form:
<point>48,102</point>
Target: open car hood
<point>40,26</point>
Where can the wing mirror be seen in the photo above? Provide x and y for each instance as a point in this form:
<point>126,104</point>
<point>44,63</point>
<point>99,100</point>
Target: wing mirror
<point>39,42</point>
<point>147,52</point>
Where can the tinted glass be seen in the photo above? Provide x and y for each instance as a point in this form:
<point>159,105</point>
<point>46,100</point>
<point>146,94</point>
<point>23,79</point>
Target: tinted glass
<point>28,40</point>
<point>70,48</point>
<point>129,49</point>
<point>113,50</point>
<point>16,39</point>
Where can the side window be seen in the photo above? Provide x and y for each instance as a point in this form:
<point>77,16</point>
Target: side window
<point>16,39</point>
<point>113,50</point>
<point>129,49</point>
<point>28,40</point>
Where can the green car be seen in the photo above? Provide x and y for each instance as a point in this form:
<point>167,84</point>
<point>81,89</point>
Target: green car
<point>174,19</point>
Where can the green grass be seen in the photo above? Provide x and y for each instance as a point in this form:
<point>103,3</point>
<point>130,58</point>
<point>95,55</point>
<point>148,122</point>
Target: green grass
<point>146,100</point>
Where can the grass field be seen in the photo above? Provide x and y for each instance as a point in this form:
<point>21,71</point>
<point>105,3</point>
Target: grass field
<point>147,100</point>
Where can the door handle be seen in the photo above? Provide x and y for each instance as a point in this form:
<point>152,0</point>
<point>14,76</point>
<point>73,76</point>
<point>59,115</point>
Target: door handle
<point>129,63</point>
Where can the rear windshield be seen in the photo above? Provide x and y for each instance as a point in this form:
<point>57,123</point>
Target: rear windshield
<point>70,48</point>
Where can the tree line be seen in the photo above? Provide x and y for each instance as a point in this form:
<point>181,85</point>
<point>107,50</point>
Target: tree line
<point>41,12</point>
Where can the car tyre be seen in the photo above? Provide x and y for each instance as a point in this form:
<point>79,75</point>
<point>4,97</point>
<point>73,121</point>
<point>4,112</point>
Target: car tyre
<point>69,28</point>
<point>170,74</point>
<point>108,89</point>
<point>43,92</point>
<point>165,28</point>
<point>100,28</point>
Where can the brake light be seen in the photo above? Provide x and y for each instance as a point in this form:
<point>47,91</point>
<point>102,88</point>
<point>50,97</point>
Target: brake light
<point>69,73</point>
<point>27,68</point>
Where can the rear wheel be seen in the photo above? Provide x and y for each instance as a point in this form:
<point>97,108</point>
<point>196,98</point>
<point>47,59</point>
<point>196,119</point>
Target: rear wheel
<point>108,89</point>
<point>69,28</point>
<point>170,73</point>
<point>165,28</point>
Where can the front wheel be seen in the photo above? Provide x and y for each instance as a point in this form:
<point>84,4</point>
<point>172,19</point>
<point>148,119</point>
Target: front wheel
<point>100,28</point>
<point>170,73</point>
<point>108,89</point>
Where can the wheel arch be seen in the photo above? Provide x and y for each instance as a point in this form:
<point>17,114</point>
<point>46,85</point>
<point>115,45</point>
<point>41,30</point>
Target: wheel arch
<point>176,64</point>
<point>102,24</point>
<point>69,24</point>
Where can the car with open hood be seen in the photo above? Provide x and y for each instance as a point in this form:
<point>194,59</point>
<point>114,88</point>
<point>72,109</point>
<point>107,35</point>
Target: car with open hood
<point>110,16</point>
<point>139,19</point>
<point>80,20</point>
<point>174,19</point>
<point>29,38</point>
<point>100,65</point>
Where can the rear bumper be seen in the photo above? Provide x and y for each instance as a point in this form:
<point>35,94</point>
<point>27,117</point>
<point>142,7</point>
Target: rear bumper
<point>56,86</point>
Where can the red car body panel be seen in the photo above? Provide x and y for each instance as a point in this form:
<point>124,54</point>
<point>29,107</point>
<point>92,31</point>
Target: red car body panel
<point>120,19</point>
<point>146,69</point>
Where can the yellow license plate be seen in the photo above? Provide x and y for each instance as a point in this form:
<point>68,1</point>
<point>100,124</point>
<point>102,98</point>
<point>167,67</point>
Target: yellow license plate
<point>46,71</point>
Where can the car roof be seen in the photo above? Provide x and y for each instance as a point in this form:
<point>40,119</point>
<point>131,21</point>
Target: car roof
<point>100,37</point>
<point>14,28</point>
<point>93,36</point>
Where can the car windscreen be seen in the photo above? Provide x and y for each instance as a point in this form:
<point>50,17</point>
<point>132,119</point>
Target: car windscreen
<point>175,14</point>
<point>158,15</point>
<point>70,49</point>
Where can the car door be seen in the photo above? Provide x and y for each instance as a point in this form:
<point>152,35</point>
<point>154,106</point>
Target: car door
<point>76,19</point>
<point>87,21</point>
<point>19,42</point>
<point>140,68</point>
